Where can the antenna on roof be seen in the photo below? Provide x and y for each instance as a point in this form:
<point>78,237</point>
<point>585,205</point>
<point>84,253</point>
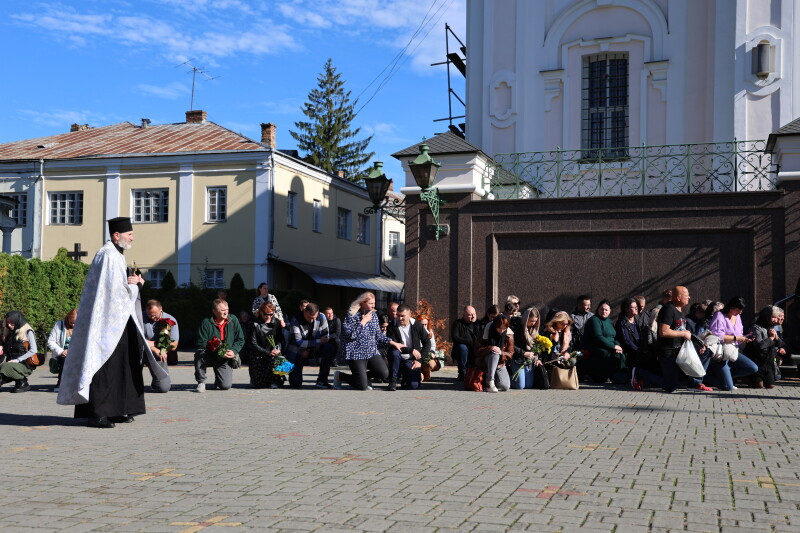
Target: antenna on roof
<point>194,70</point>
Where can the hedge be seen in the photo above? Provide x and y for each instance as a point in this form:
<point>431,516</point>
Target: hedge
<point>44,291</point>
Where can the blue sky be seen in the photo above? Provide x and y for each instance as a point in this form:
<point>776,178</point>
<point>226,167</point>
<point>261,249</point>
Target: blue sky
<point>106,61</point>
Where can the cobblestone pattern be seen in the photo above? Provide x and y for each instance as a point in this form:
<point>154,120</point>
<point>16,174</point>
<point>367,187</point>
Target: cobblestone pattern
<point>437,459</point>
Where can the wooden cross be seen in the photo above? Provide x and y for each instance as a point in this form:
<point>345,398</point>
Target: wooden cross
<point>345,459</point>
<point>146,476</point>
<point>197,526</point>
<point>550,491</point>
<point>77,253</point>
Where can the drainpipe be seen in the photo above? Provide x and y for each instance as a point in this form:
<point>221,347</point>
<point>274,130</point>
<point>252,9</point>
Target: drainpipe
<point>38,213</point>
<point>271,251</point>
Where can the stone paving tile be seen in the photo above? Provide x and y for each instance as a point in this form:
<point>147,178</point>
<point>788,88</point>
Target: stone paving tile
<point>596,459</point>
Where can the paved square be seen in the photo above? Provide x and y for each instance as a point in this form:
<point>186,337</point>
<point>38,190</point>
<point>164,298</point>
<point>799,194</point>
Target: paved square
<point>438,459</point>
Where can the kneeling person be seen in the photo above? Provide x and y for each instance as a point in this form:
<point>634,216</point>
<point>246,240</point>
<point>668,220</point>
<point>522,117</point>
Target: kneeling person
<point>416,345</point>
<point>225,329</point>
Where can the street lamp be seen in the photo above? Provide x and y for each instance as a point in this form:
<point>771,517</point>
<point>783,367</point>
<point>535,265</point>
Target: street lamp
<point>377,186</point>
<point>424,170</point>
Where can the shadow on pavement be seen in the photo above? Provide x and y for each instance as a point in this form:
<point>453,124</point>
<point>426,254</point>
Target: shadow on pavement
<point>12,419</point>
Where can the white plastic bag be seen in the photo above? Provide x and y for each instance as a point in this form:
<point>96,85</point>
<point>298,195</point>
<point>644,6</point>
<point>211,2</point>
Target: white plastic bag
<point>689,361</point>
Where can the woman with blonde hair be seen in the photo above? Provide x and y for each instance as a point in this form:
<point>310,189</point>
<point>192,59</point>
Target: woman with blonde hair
<point>19,345</point>
<point>559,330</point>
<point>362,338</point>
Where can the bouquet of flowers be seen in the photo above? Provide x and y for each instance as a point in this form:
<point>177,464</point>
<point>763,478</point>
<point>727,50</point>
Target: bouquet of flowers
<point>163,339</point>
<point>217,346</point>
<point>281,366</point>
<point>569,362</point>
<point>541,346</point>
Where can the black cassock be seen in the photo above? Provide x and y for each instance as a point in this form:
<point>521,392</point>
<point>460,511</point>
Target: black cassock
<point>117,388</point>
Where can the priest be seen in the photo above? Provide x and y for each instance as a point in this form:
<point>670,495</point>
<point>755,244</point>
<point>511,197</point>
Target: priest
<point>102,376</point>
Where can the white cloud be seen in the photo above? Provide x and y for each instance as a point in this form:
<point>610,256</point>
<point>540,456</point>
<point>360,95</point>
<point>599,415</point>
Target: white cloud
<point>63,118</point>
<point>143,31</point>
<point>170,91</point>
<point>384,133</point>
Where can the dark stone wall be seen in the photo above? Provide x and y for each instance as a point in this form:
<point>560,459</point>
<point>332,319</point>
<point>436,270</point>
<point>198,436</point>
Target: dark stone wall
<point>548,251</point>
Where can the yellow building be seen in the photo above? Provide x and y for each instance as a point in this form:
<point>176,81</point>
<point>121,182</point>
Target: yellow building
<point>206,203</point>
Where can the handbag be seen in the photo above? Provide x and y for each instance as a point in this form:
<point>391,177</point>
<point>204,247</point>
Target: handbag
<point>730,352</point>
<point>689,362</point>
<point>35,360</point>
<point>236,362</point>
<point>474,380</point>
<point>540,378</point>
<point>564,378</point>
<point>53,365</point>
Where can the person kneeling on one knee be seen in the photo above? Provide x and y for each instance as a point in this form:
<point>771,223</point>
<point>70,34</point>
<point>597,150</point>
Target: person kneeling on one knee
<point>215,330</point>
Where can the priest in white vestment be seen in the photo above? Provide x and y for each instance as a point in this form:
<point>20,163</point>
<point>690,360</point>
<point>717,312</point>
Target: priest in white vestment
<point>102,376</point>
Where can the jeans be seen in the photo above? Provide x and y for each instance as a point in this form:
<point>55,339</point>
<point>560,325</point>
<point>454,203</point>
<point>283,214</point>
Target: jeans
<point>499,375</point>
<point>724,372</point>
<point>393,362</point>
<point>362,369</point>
<point>650,378</point>
<point>460,355</point>
<point>705,358</point>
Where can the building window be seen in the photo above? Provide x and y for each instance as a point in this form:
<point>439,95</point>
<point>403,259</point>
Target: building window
<point>156,278</point>
<point>214,278</point>
<point>343,224</point>
<point>291,209</point>
<point>363,229</point>
<point>316,216</point>
<point>66,208</point>
<point>150,205</point>
<point>19,213</point>
<point>394,244</point>
<point>604,127</point>
<point>217,204</point>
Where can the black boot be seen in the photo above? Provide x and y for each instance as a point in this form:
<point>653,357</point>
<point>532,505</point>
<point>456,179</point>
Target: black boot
<point>21,386</point>
<point>101,422</point>
<point>127,419</point>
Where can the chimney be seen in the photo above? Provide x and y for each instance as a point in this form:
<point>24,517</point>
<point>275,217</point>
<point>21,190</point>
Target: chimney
<point>197,116</point>
<point>78,127</point>
<point>268,134</point>
<point>145,122</point>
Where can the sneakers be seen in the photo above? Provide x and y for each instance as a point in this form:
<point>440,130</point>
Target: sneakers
<point>491,387</point>
<point>273,386</point>
<point>323,386</point>
<point>369,384</point>
<point>392,385</point>
<point>337,380</point>
<point>703,388</point>
<point>201,387</point>
<point>635,383</point>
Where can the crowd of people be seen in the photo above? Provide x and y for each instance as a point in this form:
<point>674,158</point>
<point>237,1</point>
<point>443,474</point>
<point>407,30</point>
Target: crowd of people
<point>641,347</point>
<point>99,359</point>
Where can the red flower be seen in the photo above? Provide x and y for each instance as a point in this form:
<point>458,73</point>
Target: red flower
<point>166,321</point>
<point>213,344</point>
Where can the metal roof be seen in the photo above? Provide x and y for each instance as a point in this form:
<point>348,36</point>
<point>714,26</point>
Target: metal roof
<point>442,143</point>
<point>792,128</point>
<point>127,140</point>
<point>346,278</point>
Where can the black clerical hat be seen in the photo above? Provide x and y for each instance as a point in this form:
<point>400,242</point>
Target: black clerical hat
<point>119,225</point>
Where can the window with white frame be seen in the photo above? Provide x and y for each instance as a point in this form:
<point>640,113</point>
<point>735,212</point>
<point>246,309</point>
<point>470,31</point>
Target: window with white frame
<point>156,277</point>
<point>150,205</point>
<point>214,278</point>
<point>362,235</point>
<point>394,244</point>
<point>216,204</point>
<point>316,216</point>
<point>66,208</point>
<point>20,212</point>
<point>343,228</point>
<point>604,121</point>
<point>291,209</point>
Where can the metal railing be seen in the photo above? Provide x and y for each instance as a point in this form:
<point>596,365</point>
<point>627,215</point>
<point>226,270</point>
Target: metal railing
<point>633,170</point>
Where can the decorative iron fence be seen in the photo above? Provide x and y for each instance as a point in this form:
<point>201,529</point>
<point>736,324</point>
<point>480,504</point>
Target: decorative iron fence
<point>634,170</point>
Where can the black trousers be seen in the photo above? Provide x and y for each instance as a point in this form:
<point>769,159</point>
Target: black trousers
<point>361,368</point>
<point>117,388</point>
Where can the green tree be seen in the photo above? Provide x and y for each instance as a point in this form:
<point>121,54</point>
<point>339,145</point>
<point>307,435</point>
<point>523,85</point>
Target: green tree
<point>327,138</point>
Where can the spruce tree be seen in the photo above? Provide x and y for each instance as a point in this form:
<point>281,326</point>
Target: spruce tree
<point>327,139</point>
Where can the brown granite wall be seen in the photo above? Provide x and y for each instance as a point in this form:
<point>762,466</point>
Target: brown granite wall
<point>549,251</point>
